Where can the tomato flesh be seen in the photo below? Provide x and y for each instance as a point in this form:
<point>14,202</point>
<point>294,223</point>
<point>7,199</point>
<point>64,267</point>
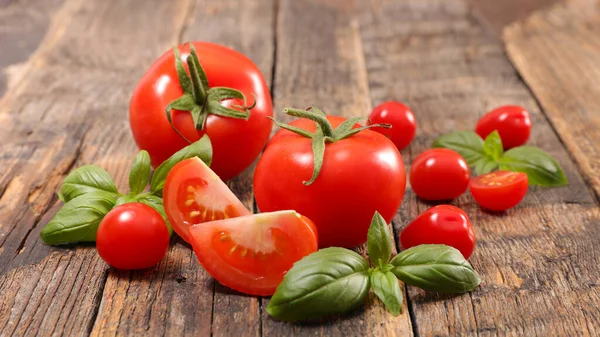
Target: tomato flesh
<point>439,174</point>
<point>132,236</point>
<point>511,121</point>
<point>443,224</point>
<point>500,190</point>
<point>400,117</point>
<point>194,194</point>
<point>252,253</point>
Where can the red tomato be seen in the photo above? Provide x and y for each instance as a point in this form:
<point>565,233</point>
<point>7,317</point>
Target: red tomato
<point>361,174</point>
<point>512,123</point>
<point>132,236</point>
<point>443,224</point>
<point>251,254</point>
<point>193,194</point>
<point>500,190</point>
<point>404,125</point>
<point>236,142</point>
<point>439,174</point>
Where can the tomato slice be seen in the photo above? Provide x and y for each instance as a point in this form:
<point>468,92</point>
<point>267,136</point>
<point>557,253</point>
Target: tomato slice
<point>500,190</point>
<point>194,194</point>
<point>251,254</point>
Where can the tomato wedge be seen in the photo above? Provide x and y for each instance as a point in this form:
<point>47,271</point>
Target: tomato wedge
<point>194,194</point>
<point>251,254</point>
<point>500,190</point>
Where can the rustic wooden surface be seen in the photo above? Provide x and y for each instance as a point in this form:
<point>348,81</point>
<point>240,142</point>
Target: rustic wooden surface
<point>67,68</point>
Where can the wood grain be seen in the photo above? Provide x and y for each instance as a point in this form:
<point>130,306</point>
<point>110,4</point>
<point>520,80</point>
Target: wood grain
<point>499,14</point>
<point>320,62</point>
<point>536,260</point>
<point>557,53</point>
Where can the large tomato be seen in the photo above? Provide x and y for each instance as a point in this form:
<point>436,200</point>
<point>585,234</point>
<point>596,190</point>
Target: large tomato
<point>360,174</point>
<point>236,141</point>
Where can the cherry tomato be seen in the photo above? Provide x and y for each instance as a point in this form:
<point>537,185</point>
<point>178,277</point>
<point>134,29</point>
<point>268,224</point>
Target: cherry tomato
<point>252,253</point>
<point>132,236</point>
<point>500,190</point>
<point>361,174</point>
<point>443,224</point>
<point>439,174</point>
<point>402,119</point>
<point>193,194</point>
<point>236,142</point>
<point>511,121</point>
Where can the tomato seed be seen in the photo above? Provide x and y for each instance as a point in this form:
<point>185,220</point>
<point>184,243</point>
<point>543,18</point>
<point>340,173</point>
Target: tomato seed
<point>232,250</point>
<point>224,237</point>
<point>189,202</point>
<point>191,189</point>
<point>194,214</point>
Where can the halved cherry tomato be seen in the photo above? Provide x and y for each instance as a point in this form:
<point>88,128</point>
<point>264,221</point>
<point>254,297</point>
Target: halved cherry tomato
<point>194,194</point>
<point>511,121</point>
<point>251,254</point>
<point>443,224</point>
<point>439,174</point>
<point>132,236</point>
<point>500,190</point>
<point>402,119</point>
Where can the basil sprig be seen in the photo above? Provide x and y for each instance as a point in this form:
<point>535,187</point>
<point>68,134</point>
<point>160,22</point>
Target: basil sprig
<point>89,193</point>
<point>335,280</point>
<point>486,156</point>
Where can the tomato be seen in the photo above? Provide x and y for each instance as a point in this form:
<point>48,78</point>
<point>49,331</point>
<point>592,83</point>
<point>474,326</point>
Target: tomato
<point>361,174</point>
<point>439,174</point>
<point>252,253</point>
<point>132,236</point>
<point>194,194</point>
<point>511,121</point>
<point>402,119</point>
<point>500,190</point>
<point>443,224</point>
<point>236,142</point>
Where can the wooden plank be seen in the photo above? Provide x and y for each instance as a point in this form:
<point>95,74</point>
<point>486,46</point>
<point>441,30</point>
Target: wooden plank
<point>537,261</point>
<point>320,62</point>
<point>499,14</point>
<point>69,109</point>
<point>557,53</point>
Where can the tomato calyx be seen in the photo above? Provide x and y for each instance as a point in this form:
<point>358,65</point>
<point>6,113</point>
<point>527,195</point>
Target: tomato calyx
<point>325,133</point>
<point>199,99</point>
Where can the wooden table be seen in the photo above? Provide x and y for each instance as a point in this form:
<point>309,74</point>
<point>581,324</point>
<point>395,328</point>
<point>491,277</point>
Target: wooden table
<point>69,67</point>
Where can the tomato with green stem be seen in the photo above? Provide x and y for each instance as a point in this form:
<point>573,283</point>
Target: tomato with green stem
<point>334,172</point>
<point>500,190</point>
<point>202,88</point>
<point>132,236</point>
<point>194,194</point>
<point>252,253</point>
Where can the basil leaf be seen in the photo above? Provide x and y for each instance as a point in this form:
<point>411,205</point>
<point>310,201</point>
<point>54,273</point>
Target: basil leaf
<point>379,241</point>
<point>125,199</point>
<point>485,165</point>
<point>79,218</point>
<point>139,175</point>
<point>385,286</point>
<point>540,167</point>
<point>492,146</point>
<point>435,268</point>
<point>467,143</point>
<point>329,281</point>
<point>201,149</point>
<point>156,203</point>
<point>87,178</point>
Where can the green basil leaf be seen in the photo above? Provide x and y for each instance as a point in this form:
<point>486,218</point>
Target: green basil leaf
<point>329,281</point>
<point>156,203</point>
<point>139,175</point>
<point>79,218</point>
<point>435,268</point>
<point>493,146</point>
<point>85,179</point>
<point>125,199</point>
<point>540,167</point>
<point>201,149</point>
<point>385,286</point>
<point>485,165</point>
<point>467,143</point>
<point>379,241</point>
